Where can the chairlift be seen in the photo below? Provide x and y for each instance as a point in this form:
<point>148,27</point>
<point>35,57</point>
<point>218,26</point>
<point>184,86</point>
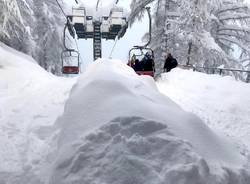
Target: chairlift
<point>70,62</point>
<point>105,27</point>
<point>70,57</point>
<point>141,59</point>
<point>79,20</point>
<point>145,64</point>
<point>117,20</point>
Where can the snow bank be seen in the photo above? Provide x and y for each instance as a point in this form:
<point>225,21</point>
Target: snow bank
<point>30,101</point>
<point>222,102</point>
<point>117,128</point>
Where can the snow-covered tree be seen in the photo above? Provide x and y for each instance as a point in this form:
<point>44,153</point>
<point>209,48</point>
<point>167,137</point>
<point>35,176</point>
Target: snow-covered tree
<point>35,28</point>
<point>202,32</point>
<point>49,23</point>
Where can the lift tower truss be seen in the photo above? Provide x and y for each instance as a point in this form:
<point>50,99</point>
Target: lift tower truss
<point>97,40</point>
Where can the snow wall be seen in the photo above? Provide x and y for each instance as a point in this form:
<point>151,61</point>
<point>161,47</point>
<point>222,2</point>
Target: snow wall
<point>118,129</point>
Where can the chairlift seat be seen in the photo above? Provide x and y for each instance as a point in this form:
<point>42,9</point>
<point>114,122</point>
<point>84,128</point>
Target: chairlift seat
<point>79,18</point>
<point>105,25</point>
<point>117,20</point>
<point>70,70</point>
<point>89,24</point>
<point>70,62</point>
<point>143,68</point>
<point>150,73</point>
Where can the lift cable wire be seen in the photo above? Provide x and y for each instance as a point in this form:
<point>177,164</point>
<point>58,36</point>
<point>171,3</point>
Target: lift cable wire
<point>61,9</point>
<point>113,48</point>
<point>81,59</point>
<point>116,39</point>
<point>98,2</point>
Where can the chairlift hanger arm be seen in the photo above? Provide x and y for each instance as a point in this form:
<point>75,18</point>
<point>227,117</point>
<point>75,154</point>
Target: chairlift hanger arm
<point>98,1</point>
<point>97,4</point>
<point>141,48</point>
<point>150,26</point>
<point>64,39</point>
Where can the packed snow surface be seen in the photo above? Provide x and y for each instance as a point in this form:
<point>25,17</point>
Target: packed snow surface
<point>114,127</point>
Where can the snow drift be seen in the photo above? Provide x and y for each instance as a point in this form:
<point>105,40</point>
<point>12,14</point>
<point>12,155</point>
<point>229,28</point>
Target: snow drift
<point>30,101</point>
<point>222,102</point>
<point>117,128</point>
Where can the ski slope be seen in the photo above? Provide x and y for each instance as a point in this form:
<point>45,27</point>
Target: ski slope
<point>111,126</point>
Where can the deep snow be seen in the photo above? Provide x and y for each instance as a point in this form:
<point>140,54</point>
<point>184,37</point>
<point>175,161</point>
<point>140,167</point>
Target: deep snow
<point>30,101</point>
<point>222,102</point>
<point>115,127</point>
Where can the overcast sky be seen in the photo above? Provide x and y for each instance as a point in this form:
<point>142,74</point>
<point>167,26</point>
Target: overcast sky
<point>132,37</point>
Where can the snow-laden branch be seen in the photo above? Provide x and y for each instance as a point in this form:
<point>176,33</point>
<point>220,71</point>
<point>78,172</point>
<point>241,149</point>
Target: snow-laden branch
<point>235,35</point>
<point>232,8</point>
<point>234,28</point>
<point>221,42</point>
<point>137,9</point>
<point>234,41</point>
<point>234,16</point>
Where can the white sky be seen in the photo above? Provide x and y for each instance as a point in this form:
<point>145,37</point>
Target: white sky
<point>132,37</point>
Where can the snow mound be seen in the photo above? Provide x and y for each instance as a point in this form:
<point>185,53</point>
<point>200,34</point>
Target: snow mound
<point>117,128</point>
<point>222,102</point>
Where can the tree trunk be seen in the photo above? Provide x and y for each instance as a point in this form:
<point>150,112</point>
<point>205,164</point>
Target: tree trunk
<point>189,52</point>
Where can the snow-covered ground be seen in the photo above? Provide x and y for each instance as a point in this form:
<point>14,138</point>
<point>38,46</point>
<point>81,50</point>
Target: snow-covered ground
<point>116,127</point>
<point>30,101</point>
<point>221,102</point>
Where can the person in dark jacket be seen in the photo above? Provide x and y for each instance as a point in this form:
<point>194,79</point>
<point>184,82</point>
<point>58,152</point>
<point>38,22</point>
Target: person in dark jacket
<point>137,66</point>
<point>148,62</point>
<point>170,63</point>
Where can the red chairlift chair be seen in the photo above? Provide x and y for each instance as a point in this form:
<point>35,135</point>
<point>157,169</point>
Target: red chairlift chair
<point>143,69</point>
<point>70,62</point>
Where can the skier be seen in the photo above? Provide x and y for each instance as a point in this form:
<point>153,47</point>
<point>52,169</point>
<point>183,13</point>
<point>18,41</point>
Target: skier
<point>170,63</point>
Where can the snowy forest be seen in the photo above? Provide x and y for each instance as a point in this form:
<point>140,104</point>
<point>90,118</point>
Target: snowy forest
<point>207,33</point>
<point>35,28</point>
